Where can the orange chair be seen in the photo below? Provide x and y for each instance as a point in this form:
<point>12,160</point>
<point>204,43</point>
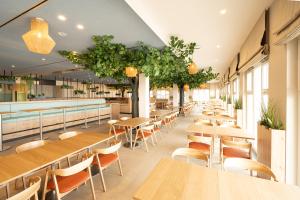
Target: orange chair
<point>116,131</point>
<point>144,134</point>
<point>66,180</point>
<point>105,157</point>
<point>157,126</point>
<point>233,149</point>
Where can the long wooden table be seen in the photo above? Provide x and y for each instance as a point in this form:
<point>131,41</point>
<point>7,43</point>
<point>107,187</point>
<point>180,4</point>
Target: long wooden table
<point>160,113</point>
<point>216,117</point>
<point>173,179</point>
<point>133,123</point>
<point>14,165</point>
<point>219,131</point>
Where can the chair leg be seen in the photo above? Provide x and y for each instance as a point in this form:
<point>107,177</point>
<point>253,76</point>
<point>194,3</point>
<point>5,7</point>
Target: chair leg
<point>102,179</point>
<point>152,140</point>
<point>146,145</point>
<point>120,167</point>
<point>24,182</point>
<point>45,186</point>
<point>92,184</point>
<point>135,139</point>
<point>69,162</point>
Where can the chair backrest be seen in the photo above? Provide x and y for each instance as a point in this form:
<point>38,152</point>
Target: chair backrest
<point>239,144</point>
<point>112,149</point>
<point>148,127</point>
<point>75,168</point>
<point>30,145</point>
<point>124,118</point>
<point>30,191</point>
<point>189,152</point>
<point>67,135</point>
<point>112,122</point>
<point>247,164</point>
<point>157,122</point>
<point>197,138</point>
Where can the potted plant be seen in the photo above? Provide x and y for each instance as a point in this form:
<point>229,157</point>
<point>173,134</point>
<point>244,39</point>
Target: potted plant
<point>271,141</point>
<point>238,112</point>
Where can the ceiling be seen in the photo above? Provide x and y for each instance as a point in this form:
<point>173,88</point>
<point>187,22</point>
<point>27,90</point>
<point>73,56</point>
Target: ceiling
<point>129,21</point>
<point>202,22</point>
<point>98,17</point>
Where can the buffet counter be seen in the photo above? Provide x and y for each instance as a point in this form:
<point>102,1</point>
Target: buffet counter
<point>24,117</point>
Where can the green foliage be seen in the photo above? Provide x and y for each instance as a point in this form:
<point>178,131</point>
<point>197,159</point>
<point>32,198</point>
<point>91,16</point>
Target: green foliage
<point>238,104</point>
<point>76,92</point>
<point>270,117</point>
<point>7,78</point>
<point>164,66</point>
<point>223,98</point>
<point>65,86</point>
<point>229,100</point>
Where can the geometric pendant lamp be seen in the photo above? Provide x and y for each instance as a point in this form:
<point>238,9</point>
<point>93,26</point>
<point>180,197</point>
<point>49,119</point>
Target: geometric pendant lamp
<point>37,39</point>
<point>131,71</point>
<point>192,68</point>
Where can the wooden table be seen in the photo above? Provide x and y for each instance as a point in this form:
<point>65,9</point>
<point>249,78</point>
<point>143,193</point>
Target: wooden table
<point>160,113</point>
<point>219,131</point>
<point>1,131</point>
<point>217,117</point>
<point>133,123</point>
<point>173,179</point>
<point>14,165</point>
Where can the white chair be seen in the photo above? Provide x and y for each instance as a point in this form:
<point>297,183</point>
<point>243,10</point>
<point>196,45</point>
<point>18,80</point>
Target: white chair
<point>31,191</point>
<point>66,180</point>
<point>106,157</point>
<point>28,146</point>
<point>247,164</point>
<point>191,153</point>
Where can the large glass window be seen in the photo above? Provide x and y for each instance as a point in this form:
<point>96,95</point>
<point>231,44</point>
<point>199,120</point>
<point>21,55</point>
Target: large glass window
<point>162,94</point>
<point>201,95</point>
<point>235,89</point>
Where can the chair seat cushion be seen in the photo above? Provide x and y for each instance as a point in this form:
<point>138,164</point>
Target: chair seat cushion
<point>68,183</point>
<point>230,152</point>
<point>146,134</point>
<point>120,131</point>
<point>156,129</point>
<point>200,146</point>
<point>105,159</point>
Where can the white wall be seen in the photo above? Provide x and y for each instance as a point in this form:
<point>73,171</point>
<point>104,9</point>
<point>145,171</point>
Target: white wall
<point>144,96</point>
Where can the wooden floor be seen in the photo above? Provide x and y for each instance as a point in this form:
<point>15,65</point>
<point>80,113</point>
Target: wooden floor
<point>136,164</point>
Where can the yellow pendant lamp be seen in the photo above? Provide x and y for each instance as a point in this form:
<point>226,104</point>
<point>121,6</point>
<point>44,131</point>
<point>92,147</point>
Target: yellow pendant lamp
<point>37,39</point>
<point>131,71</point>
<point>192,68</point>
<point>186,87</point>
<point>203,86</point>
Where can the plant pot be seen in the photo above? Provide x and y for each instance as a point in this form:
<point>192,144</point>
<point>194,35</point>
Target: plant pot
<point>271,150</point>
<point>230,109</point>
<point>238,116</point>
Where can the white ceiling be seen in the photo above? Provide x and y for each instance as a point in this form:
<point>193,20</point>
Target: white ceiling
<point>201,21</point>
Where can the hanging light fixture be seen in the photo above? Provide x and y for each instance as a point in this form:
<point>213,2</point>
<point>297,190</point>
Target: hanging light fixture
<point>37,39</point>
<point>192,68</point>
<point>131,71</point>
<point>186,87</point>
<point>203,86</point>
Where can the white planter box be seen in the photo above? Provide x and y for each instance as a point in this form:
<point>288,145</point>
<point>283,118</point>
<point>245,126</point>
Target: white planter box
<point>230,109</point>
<point>238,115</point>
<point>271,150</point>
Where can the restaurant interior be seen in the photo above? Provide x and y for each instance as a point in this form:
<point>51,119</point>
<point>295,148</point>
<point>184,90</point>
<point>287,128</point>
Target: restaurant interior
<point>150,100</point>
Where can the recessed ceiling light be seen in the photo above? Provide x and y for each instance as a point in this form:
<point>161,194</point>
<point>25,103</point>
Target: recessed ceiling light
<point>223,11</point>
<point>62,34</point>
<point>80,26</point>
<point>43,59</point>
<point>13,66</point>
<point>61,18</point>
<point>218,46</point>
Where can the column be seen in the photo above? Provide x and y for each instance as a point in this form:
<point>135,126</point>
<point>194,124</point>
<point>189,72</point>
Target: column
<point>291,112</point>
<point>175,95</point>
<point>144,96</point>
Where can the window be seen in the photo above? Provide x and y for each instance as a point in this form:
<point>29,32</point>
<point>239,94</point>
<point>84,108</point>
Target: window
<point>162,94</point>
<point>265,83</point>
<point>235,89</point>
<point>201,95</point>
<point>228,92</point>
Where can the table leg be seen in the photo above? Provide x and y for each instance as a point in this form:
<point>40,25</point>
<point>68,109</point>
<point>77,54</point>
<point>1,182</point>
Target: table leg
<point>130,135</point>
<point>99,116</point>
<point>2,148</point>
<point>64,115</point>
<point>41,126</point>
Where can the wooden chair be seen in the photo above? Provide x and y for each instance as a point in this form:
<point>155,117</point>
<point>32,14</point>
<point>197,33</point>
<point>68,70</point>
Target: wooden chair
<point>65,136</point>
<point>247,164</point>
<point>64,181</point>
<point>106,157</point>
<point>116,131</point>
<point>191,153</point>
<point>144,133</point>
<point>201,143</point>
<point>31,191</point>
<point>26,147</point>
<point>157,127</point>
<point>233,149</point>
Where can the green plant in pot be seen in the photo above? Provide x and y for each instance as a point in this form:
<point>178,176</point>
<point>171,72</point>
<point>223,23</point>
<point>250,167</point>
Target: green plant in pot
<point>270,117</point>
<point>238,104</point>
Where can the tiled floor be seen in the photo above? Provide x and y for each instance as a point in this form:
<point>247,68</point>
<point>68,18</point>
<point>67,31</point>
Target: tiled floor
<point>136,164</point>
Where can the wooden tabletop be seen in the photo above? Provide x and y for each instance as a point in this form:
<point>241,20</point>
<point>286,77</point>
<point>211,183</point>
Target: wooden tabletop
<point>15,165</point>
<point>173,179</point>
<point>134,122</point>
<point>219,131</point>
<point>217,117</point>
<point>159,113</point>
<point>6,113</point>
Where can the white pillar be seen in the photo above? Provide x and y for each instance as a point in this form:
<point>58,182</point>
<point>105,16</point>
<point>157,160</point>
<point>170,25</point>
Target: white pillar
<point>175,95</point>
<point>291,112</point>
<point>144,96</point>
